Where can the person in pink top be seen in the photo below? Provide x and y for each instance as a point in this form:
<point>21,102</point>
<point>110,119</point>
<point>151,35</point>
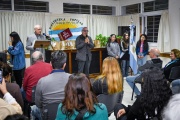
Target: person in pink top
<point>33,73</point>
<point>142,49</point>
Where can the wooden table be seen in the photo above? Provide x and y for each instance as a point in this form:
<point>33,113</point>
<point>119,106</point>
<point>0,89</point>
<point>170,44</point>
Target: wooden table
<point>98,55</point>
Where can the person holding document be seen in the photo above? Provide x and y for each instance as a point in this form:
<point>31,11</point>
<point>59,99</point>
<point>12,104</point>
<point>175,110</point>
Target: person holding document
<point>32,38</point>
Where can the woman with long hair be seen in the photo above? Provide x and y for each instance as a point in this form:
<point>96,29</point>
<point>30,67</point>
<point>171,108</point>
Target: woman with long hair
<point>113,48</point>
<point>155,95</point>
<point>110,81</point>
<point>16,50</point>
<point>125,54</point>
<point>79,99</point>
<point>142,48</point>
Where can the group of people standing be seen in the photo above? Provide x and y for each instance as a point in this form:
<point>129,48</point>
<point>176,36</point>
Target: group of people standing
<point>121,51</point>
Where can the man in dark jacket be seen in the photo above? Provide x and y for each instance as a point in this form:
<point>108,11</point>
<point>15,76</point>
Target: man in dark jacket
<point>83,45</point>
<point>154,62</point>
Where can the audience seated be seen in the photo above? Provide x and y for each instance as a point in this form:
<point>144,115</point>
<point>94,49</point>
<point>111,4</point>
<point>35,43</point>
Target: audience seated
<point>110,81</point>
<point>50,89</point>
<point>12,88</point>
<point>171,111</point>
<point>154,96</point>
<point>80,103</point>
<point>8,105</point>
<point>175,61</point>
<point>33,73</point>
<point>154,62</point>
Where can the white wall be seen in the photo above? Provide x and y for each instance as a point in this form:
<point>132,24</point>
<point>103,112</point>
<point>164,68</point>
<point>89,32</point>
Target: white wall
<point>56,6</point>
<point>174,18</point>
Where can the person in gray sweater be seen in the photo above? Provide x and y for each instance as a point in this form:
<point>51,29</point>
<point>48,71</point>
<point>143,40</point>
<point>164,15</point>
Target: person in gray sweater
<point>113,48</point>
<point>50,89</point>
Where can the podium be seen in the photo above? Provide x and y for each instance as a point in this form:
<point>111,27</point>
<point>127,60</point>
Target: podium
<point>41,43</point>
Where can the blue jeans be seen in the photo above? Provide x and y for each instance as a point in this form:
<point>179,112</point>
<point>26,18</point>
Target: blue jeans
<point>130,81</point>
<point>36,112</point>
<point>141,61</point>
<point>125,67</point>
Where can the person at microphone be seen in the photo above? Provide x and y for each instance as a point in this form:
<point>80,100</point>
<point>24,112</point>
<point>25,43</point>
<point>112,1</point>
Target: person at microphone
<point>32,38</point>
<point>83,56</point>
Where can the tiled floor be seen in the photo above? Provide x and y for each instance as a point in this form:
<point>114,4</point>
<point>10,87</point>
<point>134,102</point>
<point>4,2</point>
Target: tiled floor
<point>126,98</point>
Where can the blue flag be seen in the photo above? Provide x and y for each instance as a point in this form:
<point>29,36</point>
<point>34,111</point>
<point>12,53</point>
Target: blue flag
<point>132,50</point>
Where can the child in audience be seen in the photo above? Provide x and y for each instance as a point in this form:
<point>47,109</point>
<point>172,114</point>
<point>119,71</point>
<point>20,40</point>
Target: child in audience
<point>80,101</point>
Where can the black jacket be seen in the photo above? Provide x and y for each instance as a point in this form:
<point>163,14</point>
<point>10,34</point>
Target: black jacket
<point>83,48</point>
<point>168,66</point>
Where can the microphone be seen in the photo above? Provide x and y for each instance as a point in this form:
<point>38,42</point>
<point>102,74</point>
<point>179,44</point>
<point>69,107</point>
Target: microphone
<point>47,36</point>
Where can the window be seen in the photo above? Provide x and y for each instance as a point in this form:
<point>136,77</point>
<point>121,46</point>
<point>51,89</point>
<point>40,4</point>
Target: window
<point>156,5</point>
<point>76,8</point>
<point>36,6</point>
<point>5,5</point>
<point>153,27</point>
<point>103,10</point>
<point>132,9</point>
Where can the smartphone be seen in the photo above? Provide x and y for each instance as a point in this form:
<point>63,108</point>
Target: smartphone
<point>1,75</point>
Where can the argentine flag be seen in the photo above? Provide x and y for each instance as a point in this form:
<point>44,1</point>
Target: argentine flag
<point>132,50</point>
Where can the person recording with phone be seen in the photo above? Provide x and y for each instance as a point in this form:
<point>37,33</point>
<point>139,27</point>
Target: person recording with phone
<point>12,88</point>
<point>32,38</point>
<point>84,44</point>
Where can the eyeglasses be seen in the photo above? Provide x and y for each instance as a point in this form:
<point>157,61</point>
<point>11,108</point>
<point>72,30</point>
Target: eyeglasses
<point>85,31</point>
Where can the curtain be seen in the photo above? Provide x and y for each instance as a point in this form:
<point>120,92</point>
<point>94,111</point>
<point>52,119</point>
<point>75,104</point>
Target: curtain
<point>105,25</point>
<point>5,28</point>
<point>163,43</point>
<point>21,22</point>
<point>126,21</point>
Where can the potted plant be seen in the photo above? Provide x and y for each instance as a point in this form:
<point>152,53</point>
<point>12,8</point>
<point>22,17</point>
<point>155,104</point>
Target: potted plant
<point>102,39</point>
<point>118,37</point>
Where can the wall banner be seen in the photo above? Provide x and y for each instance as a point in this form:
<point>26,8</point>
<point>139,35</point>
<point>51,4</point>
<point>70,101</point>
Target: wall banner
<point>58,25</point>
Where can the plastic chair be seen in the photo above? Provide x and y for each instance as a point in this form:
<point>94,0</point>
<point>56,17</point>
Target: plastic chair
<point>50,111</point>
<point>110,100</point>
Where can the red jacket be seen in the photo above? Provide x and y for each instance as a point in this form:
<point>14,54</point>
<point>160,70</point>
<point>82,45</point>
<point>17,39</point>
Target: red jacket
<point>33,74</point>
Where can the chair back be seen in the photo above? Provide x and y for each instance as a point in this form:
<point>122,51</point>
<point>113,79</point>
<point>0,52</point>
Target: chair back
<point>175,73</point>
<point>110,100</point>
<point>50,111</point>
<point>33,95</point>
